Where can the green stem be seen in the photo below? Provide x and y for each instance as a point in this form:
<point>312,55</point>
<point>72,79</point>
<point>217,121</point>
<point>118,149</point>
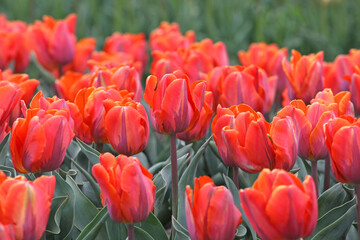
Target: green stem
<point>131,231</point>
<point>357,192</point>
<point>327,174</point>
<point>174,178</point>
<point>314,174</point>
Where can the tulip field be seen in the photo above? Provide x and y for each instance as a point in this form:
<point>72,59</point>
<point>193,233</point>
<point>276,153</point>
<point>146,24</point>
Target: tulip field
<point>163,131</point>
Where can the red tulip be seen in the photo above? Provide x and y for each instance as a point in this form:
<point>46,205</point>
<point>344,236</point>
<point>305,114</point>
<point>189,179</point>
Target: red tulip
<point>10,95</point>
<point>279,206</point>
<point>133,44</point>
<point>304,74</point>
<point>83,50</point>
<point>53,41</point>
<point>13,44</point>
<point>174,104</point>
<point>210,211</point>
<point>335,72</point>
<point>126,187</point>
<point>244,139</point>
<point>70,84</point>
<point>167,37</point>
<point>126,126</point>
<point>7,232</point>
<point>342,142</point>
<point>201,127</point>
<point>25,205</point>
<point>354,86</point>
<point>268,57</point>
<point>165,62</point>
<point>250,86</point>
<point>39,141</point>
<point>309,120</point>
<point>123,78</point>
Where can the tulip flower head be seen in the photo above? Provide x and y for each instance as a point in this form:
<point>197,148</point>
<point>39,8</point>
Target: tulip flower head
<point>244,139</point>
<point>126,187</point>
<point>175,105</point>
<point>25,205</point>
<point>210,211</point>
<point>279,206</point>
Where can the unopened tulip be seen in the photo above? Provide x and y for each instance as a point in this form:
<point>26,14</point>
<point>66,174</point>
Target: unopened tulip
<point>210,211</point>
<point>25,205</point>
<point>126,187</point>
<point>39,141</point>
<point>279,206</point>
<point>126,126</point>
<point>244,139</point>
<point>175,105</point>
<point>10,95</point>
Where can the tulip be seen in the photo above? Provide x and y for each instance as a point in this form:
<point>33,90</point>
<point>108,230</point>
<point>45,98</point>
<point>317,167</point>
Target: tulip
<point>126,126</point>
<point>174,104</point>
<point>89,111</point>
<point>70,84</point>
<point>39,141</point>
<point>354,86</point>
<point>267,57</point>
<point>53,41</point>
<point>133,44</point>
<point>126,187</point>
<point>10,95</point>
<point>244,139</point>
<point>83,50</point>
<point>335,72</point>
<point>201,127</point>
<point>250,86</point>
<point>25,205</point>
<point>279,206</point>
<point>13,44</point>
<point>304,74</point>
<point>7,232</point>
<point>165,62</point>
<point>167,37</point>
<point>210,211</point>
<point>123,78</point>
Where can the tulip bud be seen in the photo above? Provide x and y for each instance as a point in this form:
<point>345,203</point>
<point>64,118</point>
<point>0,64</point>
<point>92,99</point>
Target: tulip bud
<point>126,187</point>
<point>25,205</point>
<point>279,206</point>
<point>210,211</point>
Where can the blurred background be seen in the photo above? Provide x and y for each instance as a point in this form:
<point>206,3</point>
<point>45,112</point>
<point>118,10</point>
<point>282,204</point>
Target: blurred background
<point>308,25</point>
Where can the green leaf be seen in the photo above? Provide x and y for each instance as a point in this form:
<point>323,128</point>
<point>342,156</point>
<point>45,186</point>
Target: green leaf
<point>94,227</point>
<point>333,197</point>
<point>188,179</point>
<point>338,228</point>
<point>141,234</point>
<point>90,152</point>
<point>240,232</point>
<point>57,206</point>
<point>9,171</point>
<point>116,230</point>
<point>180,232</point>
<point>153,226</point>
<point>5,156</point>
<point>62,189</point>
<point>235,192</point>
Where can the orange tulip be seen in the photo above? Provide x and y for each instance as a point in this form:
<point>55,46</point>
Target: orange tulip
<point>165,62</point>
<point>39,141</point>
<point>174,104</point>
<point>10,95</point>
<point>268,57</point>
<point>13,44</point>
<point>126,187</point>
<point>309,120</point>
<point>123,78</point>
<point>279,206</point>
<point>133,44</point>
<point>25,205</point>
<point>210,211</point>
<point>304,74</point>
<point>201,127</point>
<point>250,86</point>
<point>53,41</point>
<point>244,139</point>
<point>167,37</point>
<point>342,141</point>
<point>334,73</point>
<point>126,126</point>
<point>70,84</point>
